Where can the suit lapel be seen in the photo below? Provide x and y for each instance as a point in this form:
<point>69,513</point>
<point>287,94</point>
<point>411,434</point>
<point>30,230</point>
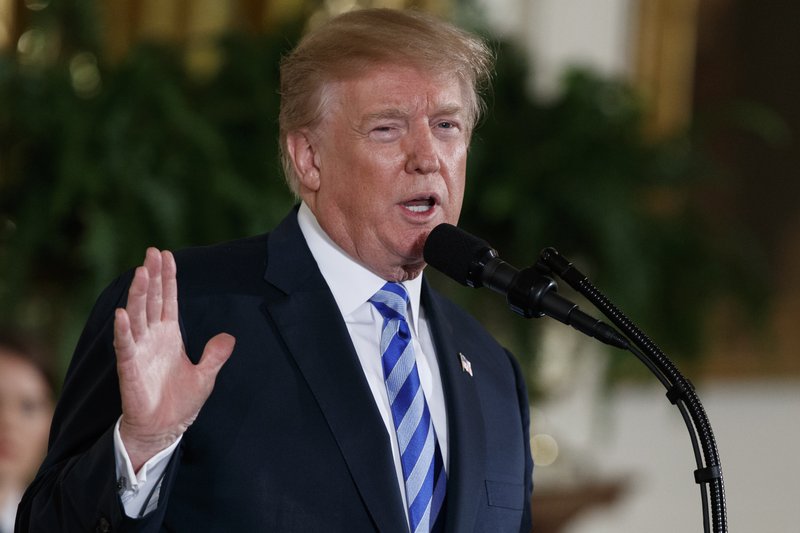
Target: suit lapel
<point>467,442</point>
<point>314,332</point>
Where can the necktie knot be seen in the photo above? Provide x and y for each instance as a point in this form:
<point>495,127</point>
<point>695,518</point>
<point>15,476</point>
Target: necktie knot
<point>391,301</point>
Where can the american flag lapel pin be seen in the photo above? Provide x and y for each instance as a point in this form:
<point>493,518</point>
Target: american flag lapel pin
<point>466,366</point>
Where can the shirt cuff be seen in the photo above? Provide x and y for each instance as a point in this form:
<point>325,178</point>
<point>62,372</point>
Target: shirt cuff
<point>139,489</point>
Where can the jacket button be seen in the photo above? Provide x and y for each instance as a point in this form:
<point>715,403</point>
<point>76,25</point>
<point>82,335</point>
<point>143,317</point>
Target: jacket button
<point>103,525</point>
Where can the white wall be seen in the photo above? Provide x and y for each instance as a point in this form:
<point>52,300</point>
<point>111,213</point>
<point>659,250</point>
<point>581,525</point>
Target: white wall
<point>633,431</point>
<point>563,33</point>
<point>640,435</point>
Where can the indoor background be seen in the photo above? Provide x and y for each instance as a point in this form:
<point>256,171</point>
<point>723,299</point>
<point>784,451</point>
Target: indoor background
<point>652,142</point>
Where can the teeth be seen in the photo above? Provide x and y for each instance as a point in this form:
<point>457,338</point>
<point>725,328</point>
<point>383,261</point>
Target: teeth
<point>419,208</point>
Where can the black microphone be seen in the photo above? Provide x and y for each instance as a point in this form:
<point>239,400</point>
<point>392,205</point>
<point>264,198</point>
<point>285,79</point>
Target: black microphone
<point>471,261</point>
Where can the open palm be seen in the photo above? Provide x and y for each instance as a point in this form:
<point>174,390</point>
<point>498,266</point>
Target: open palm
<point>162,391</point>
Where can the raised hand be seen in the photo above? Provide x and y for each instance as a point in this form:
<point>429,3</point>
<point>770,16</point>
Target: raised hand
<point>162,390</point>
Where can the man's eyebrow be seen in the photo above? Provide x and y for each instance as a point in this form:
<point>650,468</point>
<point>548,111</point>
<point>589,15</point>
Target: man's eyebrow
<point>396,113</point>
<point>449,109</point>
<point>383,114</point>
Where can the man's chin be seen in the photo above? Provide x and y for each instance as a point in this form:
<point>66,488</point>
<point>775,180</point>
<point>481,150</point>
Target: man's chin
<point>417,247</point>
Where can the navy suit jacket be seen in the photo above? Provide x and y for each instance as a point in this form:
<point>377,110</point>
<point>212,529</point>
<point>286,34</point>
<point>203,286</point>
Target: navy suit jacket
<point>291,438</point>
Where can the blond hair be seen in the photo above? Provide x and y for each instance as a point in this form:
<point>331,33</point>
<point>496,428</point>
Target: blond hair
<point>349,43</point>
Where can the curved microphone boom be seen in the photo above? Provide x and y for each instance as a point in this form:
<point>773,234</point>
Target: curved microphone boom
<point>471,261</point>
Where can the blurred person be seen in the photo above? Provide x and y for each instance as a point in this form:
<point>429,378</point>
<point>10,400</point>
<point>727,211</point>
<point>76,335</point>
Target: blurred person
<point>308,379</point>
<point>27,392</point>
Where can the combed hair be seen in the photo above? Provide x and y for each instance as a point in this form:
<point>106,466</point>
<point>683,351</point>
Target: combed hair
<point>350,43</point>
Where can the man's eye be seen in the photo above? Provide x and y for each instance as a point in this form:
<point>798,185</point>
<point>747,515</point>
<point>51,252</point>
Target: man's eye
<point>385,133</point>
<point>447,125</point>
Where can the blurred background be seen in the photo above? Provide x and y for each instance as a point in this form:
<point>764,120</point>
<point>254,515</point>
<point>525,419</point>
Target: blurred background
<point>652,142</point>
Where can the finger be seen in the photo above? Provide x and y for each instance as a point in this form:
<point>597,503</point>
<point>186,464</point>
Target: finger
<point>169,285</point>
<point>215,354</point>
<point>154,289</point>
<point>137,300</point>
<point>124,344</point>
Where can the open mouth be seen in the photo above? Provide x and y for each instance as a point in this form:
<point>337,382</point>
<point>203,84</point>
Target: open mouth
<point>420,205</point>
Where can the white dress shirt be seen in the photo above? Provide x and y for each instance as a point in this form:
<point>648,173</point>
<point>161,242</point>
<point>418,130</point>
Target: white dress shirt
<point>352,286</point>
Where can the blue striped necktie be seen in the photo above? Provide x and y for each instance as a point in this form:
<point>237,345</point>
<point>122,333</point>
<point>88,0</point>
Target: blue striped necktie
<point>420,456</point>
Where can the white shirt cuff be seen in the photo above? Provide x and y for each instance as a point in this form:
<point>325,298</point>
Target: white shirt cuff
<point>139,492</point>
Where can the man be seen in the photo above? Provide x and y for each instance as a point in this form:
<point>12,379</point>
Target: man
<point>279,383</point>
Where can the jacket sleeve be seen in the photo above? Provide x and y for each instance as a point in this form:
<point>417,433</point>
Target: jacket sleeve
<point>76,487</point>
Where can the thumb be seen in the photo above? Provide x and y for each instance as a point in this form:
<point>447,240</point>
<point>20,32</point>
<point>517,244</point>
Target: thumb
<point>217,351</point>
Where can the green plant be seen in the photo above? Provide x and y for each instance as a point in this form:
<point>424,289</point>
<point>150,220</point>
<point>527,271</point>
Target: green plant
<point>90,175</point>
<point>577,173</point>
<point>156,157</point>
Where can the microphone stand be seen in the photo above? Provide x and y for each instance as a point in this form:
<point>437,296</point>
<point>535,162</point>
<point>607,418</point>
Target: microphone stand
<point>680,391</point>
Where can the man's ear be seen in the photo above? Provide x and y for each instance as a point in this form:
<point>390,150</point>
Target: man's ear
<point>305,159</point>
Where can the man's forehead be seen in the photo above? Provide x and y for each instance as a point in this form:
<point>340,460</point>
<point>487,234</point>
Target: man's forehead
<point>384,93</point>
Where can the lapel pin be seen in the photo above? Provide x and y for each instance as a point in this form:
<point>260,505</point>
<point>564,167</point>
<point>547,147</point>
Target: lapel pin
<point>466,366</point>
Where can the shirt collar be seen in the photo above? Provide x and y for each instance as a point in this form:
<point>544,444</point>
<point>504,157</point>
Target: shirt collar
<point>351,283</point>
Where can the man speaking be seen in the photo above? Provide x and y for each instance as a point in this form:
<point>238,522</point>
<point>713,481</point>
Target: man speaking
<point>308,379</point>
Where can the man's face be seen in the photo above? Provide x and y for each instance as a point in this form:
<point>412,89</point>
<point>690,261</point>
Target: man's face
<point>389,162</point>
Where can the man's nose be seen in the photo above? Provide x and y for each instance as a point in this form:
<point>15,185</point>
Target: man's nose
<point>422,157</point>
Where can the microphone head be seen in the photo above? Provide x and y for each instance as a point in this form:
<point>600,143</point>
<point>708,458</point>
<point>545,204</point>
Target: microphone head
<point>457,254</point>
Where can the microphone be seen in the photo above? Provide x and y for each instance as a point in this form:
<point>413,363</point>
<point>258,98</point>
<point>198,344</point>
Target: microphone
<point>471,261</point>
